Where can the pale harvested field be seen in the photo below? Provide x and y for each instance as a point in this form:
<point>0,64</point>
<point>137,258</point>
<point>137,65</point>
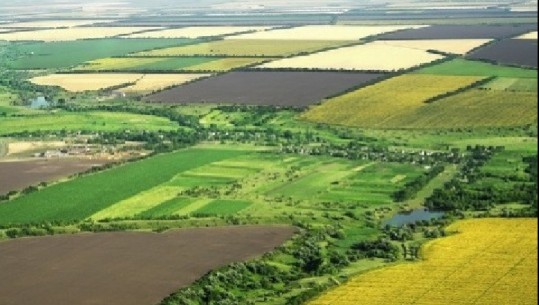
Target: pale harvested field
<point>325,32</point>
<point>370,56</point>
<point>53,23</point>
<point>85,82</point>
<point>21,147</point>
<point>198,31</point>
<point>531,35</point>
<point>154,82</point>
<point>486,262</point>
<point>71,33</point>
<point>454,46</point>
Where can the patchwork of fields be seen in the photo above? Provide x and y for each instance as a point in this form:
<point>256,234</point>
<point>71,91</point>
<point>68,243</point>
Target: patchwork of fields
<point>504,52</point>
<point>70,34</point>
<point>296,89</point>
<point>198,32</point>
<point>486,261</point>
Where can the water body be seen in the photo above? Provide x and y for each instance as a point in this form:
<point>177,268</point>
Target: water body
<point>404,218</point>
<point>39,102</point>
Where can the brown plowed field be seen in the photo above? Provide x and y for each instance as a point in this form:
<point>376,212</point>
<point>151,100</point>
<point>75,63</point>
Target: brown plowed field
<point>17,175</point>
<point>296,89</point>
<point>124,268</point>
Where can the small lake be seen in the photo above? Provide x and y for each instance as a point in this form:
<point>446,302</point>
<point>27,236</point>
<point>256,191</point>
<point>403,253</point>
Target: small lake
<point>39,102</point>
<point>404,218</point>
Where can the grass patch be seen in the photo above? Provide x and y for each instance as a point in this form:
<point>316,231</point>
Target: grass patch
<point>465,67</point>
<point>223,207</point>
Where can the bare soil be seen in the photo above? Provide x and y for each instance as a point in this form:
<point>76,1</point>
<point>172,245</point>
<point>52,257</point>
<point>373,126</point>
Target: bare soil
<point>123,268</point>
<point>519,52</point>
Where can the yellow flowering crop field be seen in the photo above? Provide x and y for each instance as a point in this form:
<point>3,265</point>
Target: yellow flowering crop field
<point>486,261</point>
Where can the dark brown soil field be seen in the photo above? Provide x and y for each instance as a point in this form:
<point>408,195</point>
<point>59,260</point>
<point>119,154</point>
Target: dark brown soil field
<point>296,89</point>
<point>462,32</point>
<point>519,52</point>
<point>17,175</point>
<point>124,268</point>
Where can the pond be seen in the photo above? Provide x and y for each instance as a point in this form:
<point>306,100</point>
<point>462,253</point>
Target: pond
<point>39,102</point>
<point>412,216</point>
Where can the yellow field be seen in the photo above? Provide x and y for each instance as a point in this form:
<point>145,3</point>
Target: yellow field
<point>455,46</point>
<point>243,47</point>
<point>198,31</point>
<point>71,33</point>
<point>531,35</point>
<point>382,104</point>
<point>487,262</point>
<point>369,56</point>
<point>85,82</point>
<point>153,82</point>
<point>324,32</point>
<point>53,24</point>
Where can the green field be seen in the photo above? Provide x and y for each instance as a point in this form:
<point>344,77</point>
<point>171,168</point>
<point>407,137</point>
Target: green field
<point>465,67</point>
<point>244,47</point>
<point>512,84</point>
<point>80,198</point>
<point>52,55</point>
<point>88,121</point>
<point>222,207</point>
<point>187,64</point>
<point>168,208</point>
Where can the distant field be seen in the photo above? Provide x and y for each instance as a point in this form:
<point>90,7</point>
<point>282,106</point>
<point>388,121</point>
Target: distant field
<point>86,82</point>
<point>324,32</point>
<point>260,47</point>
<point>371,56</point>
<point>512,84</point>
<point>462,32</point>
<point>91,121</point>
<point>69,200</point>
<point>455,46</point>
<point>53,24</point>
<point>264,88</point>
<point>486,261</point>
<point>154,82</point>
<point>198,32</point>
<point>66,54</point>
<point>504,52</point>
<point>70,34</point>
<point>476,68</point>
<point>530,35</point>
<point>384,104</point>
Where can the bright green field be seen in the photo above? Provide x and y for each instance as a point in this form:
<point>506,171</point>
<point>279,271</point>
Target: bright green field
<point>168,208</point>
<point>223,207</point>
<point>464,67</point>
<point>89,121</point>
<point>48,55</point>
<point>82,197</point>
<point>244,47</point>
<point>188,64</point>
<point>512,84</point>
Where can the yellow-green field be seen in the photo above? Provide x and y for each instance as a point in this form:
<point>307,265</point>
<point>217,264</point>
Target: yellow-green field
<point>384,104</point>
<point>486,262</point>
<point>258,47</point>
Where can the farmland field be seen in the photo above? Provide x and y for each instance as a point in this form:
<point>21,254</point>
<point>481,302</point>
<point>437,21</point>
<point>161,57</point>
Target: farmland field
<point>192,64</point>
<point>512,84</point>
<point>84,82</point>
<point>91,121</point>
<point>260,47</point>
<point>53,54</point>
<point>530,35</point>
<point>265,88</point>
<point>70,34</point>
<point>27,173</point>
<point>476,68</point>
<point>462,32</point>
<point>153,82</point>
<point>323,32</point>
<point>198,32</point>
<point>124,267</point>
<point>455,46</point>
<point>71,203</point>
<point>486,261</point>
<point>503,52</point>
<point>371,56</point>
<point>384,104</point>
<point>52,24</point>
